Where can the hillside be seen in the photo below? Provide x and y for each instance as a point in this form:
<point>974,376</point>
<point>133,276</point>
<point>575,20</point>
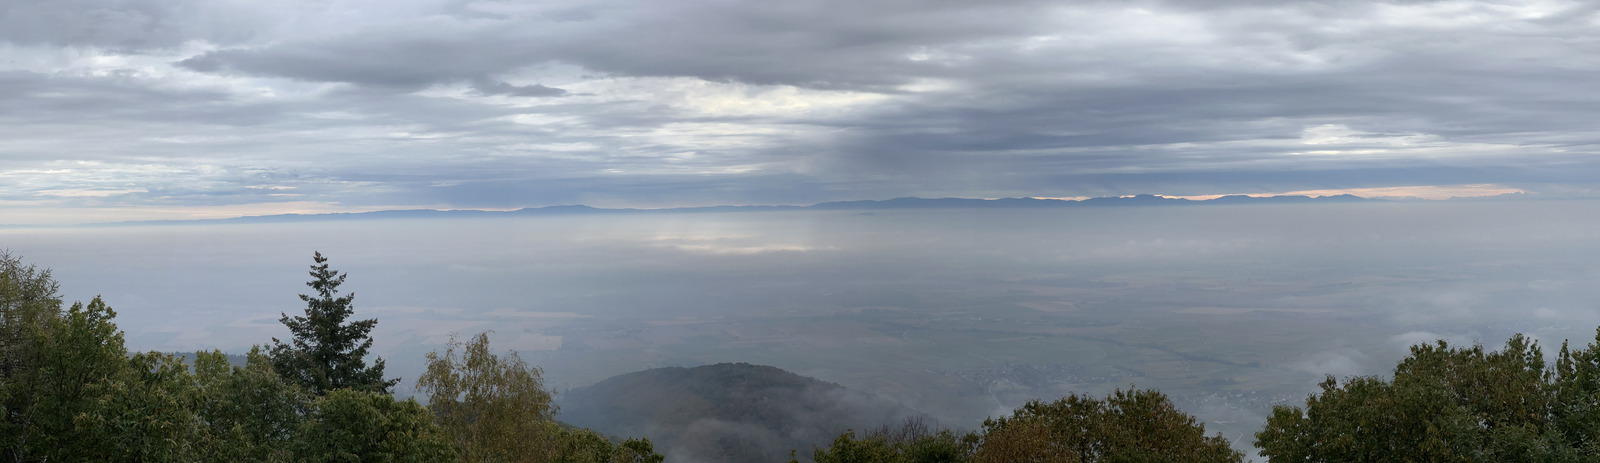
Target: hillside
<point>728,412</point>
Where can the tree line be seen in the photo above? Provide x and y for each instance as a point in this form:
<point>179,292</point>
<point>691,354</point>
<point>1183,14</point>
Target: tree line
<point>1443,403</point>
<point>70,391</point>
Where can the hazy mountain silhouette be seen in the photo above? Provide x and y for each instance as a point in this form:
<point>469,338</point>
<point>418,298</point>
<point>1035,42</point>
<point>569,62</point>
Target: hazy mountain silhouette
<point>896,203</point>
<point>728,412</point>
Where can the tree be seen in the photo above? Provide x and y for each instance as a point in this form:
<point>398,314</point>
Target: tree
<point>1577,393</point>
<point>1444,404</point>
<point>58,401</point>
<point>28,299</point>
<point>251,413</point>
<point>1127,426</point>
<point>327,352</point>
<point>912,442</point>
<point>29,302</point>
<point>847,448</point>
<point>587,446</point>
<point>365,427</point>
<point>496,408</point>
<point>85,399</point>
<point>145,413</point>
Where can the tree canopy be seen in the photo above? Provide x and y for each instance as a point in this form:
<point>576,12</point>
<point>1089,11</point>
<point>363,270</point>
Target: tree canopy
<point>912,442</point>
<point>495,407</point>
<point>1126,426</point>
<point>70,391</point>
<point>1448,403</point>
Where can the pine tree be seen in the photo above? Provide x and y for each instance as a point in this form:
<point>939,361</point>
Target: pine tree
<point>328,353</point>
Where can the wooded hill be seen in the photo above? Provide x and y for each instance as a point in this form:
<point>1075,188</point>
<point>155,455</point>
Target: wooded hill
<point>728,412</point>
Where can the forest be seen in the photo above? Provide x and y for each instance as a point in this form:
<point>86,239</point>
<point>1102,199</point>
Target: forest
<point>71,391</point>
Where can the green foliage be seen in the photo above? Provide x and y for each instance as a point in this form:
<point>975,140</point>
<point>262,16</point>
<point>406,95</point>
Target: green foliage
<point>496,408</point>
<point>587,446</point>
<point>29,303</point>
<point>85,399</point>
<point>1128,426</point>
<point>1577,393</point>
<point>1024,442</point>
<point>912,442</point>
<point>358,426</point>
<point>1444,404</point>
<point>328,353</point>
<point>252,414</point>
<point>71,392</point>
<point>848,449</point>
<point>28,300</point>
<point>637,450</point>
<point>65,398</point>
<point>146,414</point>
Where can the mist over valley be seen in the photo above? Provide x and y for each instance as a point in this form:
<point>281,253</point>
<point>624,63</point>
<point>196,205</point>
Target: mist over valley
<point>959,314</point>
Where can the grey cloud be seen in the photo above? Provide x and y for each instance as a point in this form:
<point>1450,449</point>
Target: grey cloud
<point>129,24</point>
<point>407,64</point>
<point>495,87</point>
<point>826,44</point>
<point>993,99</point>
<point>36,97</point>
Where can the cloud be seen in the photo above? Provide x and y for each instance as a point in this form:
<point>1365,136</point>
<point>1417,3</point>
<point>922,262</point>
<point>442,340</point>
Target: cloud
<point>128,24</point>
<point>818,44</point>
<point>495,87</point>
<point>701,101</point>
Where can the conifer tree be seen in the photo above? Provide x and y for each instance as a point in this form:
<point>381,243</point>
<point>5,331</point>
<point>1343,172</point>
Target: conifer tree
<point>327,352</point>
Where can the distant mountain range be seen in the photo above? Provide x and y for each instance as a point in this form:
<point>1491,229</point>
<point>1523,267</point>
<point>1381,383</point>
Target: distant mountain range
<point>864,205</point>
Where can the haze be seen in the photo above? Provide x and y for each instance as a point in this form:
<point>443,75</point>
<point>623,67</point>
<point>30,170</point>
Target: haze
<point>958,313</point>
<point>1473,121</point>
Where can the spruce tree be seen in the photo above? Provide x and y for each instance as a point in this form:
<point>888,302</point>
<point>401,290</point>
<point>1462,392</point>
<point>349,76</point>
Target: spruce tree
<point>328,352</point>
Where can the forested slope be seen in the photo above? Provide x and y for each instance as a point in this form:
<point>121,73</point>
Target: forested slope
<point>728,412</point>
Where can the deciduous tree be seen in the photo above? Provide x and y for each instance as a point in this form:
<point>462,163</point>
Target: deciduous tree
<point>251,413</point>
<point>29,303</point>
<point>352,426</point>
<point>495,407</point>
<point>911,442</point>
<point>1444,404</point>
<point>1127,426</point>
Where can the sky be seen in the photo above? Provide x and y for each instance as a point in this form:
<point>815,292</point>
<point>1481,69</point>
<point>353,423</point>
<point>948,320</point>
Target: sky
<point>162,109</point>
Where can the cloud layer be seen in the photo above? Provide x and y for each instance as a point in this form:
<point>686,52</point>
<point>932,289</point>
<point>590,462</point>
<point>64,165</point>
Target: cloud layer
<point>177,108</point>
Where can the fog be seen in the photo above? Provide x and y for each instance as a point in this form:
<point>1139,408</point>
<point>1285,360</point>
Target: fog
<point>960,314</point>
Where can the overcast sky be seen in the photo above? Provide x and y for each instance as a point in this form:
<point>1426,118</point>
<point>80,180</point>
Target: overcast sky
<point>130,109</point>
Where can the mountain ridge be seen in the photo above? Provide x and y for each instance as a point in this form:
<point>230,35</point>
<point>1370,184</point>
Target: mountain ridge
<point>907,202</point>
